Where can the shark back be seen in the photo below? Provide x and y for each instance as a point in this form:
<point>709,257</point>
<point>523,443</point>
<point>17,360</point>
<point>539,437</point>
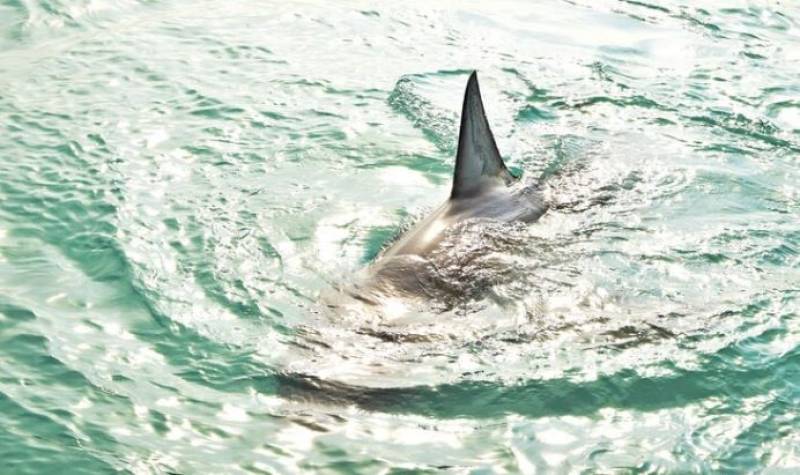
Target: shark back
<point>482,185</point>
<point>483,189</point>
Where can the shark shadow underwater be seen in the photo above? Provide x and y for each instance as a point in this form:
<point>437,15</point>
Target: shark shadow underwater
<point>430,263</point>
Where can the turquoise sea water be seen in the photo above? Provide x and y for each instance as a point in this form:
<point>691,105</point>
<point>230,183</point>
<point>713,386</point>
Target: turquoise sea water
<point>181,181</point>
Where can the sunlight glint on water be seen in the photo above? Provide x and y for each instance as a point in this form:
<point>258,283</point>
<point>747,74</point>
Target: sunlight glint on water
<point>181,185</point>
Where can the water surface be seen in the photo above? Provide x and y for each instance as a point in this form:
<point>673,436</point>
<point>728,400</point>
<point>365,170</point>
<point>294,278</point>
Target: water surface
<point>181,181</point>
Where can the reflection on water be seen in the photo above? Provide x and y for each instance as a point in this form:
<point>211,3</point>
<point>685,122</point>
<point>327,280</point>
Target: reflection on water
<point>182,185</point>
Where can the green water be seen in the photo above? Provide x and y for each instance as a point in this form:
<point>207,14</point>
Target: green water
<point>180,181</point>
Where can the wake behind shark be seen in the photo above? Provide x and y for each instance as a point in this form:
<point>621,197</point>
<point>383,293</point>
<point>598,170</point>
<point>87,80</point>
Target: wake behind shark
<point>483,189</point>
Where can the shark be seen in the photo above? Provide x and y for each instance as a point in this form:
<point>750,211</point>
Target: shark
<point>483,190</point>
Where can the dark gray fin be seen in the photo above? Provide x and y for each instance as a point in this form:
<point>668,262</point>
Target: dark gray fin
<point>478,163</point>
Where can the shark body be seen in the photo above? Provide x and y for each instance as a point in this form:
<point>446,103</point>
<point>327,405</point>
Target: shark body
<point>483,189</point>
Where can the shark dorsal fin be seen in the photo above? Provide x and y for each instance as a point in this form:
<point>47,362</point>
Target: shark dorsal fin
<point>478,163</point>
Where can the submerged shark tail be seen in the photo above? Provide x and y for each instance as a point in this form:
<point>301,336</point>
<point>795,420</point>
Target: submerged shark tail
<point>478,163</point>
